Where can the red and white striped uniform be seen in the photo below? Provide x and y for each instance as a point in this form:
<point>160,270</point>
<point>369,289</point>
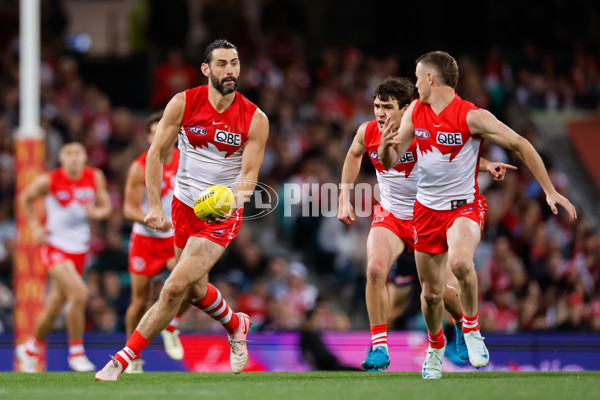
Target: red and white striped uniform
<point>66,216</point>
<point>448,155</point>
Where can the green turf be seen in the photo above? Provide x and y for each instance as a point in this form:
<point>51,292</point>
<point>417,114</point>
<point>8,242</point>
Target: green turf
<point>305,386</point>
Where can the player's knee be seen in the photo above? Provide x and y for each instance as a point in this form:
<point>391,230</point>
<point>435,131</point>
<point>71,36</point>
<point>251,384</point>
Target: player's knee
<point>376,271</point>
<point>432,297</point>
<point>173,290</point>
<point>461,266</point>
<point>54,310</point>
<point>79,296</point>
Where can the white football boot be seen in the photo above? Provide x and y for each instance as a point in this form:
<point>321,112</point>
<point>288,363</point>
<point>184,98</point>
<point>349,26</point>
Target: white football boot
<point>239,351</point>
<point>172,344</point>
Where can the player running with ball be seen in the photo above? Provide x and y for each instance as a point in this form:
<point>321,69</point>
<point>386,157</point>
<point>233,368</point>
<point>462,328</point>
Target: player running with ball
<point>222,138</point>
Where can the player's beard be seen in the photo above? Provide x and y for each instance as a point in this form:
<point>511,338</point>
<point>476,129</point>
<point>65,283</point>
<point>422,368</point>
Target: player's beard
<point>219,85</point>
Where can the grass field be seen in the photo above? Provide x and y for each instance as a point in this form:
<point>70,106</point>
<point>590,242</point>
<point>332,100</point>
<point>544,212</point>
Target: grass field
<point>305,386</point>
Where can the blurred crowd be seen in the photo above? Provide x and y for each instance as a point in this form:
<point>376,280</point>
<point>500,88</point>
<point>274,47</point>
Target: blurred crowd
<point>536,271</point>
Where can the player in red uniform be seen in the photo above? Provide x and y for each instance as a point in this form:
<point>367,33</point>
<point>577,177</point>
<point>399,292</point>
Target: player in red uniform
<point>150,252</point>
<point>222,138</point>
<point>391,230</point>
<point>449,212</point>
<point>73,194</point>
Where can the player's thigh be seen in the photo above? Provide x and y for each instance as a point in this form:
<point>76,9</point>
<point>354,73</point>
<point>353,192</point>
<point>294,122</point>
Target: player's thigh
<point>141,287</point>
<point>383,246</point>
<point>195,261</point>
<point>68,280</point>
<point>431,269</point>
<point>463,237</point>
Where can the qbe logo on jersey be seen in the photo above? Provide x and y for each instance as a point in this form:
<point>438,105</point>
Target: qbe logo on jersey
<point>232,139</point>
<point>449,139</point>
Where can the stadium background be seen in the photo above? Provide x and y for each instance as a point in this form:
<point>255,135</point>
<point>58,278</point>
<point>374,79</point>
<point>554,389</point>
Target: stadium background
<point>311,67</point>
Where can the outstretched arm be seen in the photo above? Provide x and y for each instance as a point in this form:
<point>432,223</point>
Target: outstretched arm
<point>350,172</point>
<point>496,169</point>
<point>485,124</point>
<point>165,136</point>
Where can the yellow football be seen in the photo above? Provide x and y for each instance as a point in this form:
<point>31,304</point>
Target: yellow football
<point>214,202</point>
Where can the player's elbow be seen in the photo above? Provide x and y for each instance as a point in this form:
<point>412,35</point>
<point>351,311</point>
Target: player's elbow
<point>519,146</point>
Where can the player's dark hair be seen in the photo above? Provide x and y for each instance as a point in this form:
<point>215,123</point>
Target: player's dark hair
<point>444,63</point>
<point>153,118</point>
<point>394,88</point>
<point>217,44</point>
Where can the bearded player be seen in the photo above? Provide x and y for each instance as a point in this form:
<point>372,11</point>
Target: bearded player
<point>221,137</point>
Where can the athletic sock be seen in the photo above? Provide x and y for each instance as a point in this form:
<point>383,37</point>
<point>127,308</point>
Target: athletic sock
<point>215,305</point>
<point>76,348</point>
<point>174,324</point>
<point>132,349</point>
<point>436,341</point>
<point>458,320</point>
<point>379,336</point>
<point>34,346</point>
<point>470,323</point>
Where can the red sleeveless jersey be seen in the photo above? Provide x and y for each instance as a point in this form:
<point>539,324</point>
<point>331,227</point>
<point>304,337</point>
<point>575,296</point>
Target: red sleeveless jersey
<point>448,155</point>
<point>211,143</point>
<point>398,186</point>
<point>66,215</point>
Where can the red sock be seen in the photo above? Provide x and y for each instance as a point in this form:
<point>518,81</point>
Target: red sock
<point>132,349</point>
<point>174,324</point>
<point>214,305</point>
<point>379,335</point>
<point>470,323</point>
<point>458,320</point>
<point>76,348</point>
<point>436,341</point>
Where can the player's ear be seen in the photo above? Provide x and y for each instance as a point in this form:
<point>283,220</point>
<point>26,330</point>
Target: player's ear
<point>205,69</point>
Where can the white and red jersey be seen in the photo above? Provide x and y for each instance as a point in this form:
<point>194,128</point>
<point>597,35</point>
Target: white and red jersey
<point>398,186</point>
<point>166,195</point>
<point>448,155</point>
<point>211,144</point>
<point>66,217</point>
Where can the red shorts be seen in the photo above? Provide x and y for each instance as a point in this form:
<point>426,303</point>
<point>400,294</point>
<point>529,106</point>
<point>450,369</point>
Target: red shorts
<point>186,225</point>
<point>51,256</point>
<point>431,225</point>
<point>400,227</point>
<point>148,255</point>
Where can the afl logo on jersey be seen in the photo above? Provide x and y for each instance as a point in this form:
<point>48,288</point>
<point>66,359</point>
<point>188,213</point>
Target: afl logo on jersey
<point>421,134</point>
<point>197,130</point>
<point>374,155</point>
